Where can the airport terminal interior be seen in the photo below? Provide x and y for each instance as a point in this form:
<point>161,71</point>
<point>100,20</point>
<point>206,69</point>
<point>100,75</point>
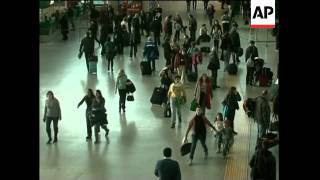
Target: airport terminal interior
<point>137,137</point>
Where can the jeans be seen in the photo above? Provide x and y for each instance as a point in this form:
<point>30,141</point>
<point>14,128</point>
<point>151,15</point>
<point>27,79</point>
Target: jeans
<point>122,99</point>
<point>97,130</point>
<point>194,4</point>
<point>202,102</point>
<point>87,56</point>
<point>249,77</point>
<point>214,77</point>
<point>177,35</point>
<point>262,128</point>
<point>195,139</point>
<point>181,72</point>
<point>110,61</point>
<point>55,126</point>
<point>156,38</point>
<point>175,110</point>
<point>133,50</point>
<point>219,139</point>
<point>193,35</point>
<point>216,43</point>
<point>227,143</point>
<point>153,64</point>
<point>89,131</point>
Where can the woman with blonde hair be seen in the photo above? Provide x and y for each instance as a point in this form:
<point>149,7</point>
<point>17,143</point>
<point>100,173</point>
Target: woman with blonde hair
<point>121,86</point>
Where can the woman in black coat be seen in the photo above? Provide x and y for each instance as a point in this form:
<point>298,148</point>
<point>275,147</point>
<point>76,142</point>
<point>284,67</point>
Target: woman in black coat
<point>99,116</point>
<point>230,104</point>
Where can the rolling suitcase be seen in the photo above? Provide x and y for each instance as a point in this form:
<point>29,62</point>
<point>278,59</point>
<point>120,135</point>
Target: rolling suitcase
<point>232,69</point>
<point>158,96</point>
<point>145,67</point>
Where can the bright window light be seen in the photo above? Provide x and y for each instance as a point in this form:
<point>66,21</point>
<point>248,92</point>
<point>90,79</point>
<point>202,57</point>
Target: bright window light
<point>51,2</point>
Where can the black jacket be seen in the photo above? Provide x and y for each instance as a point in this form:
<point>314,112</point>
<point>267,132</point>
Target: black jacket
<point>251,51</point>
<point>167,169</point>
<point>64,24</point>
<point>263,166</point>
<point>167,50</point>
<point>235,41</point>
<point>225,43</point>
<point>87,45</point>
<point>156,26</point>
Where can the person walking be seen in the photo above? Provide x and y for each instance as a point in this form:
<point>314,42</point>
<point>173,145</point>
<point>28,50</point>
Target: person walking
<point>64,26</point>
<point>262,113</point>
<point>156,28</point>
<point>151,52</point>
<point>230,105</point>
<point>177,97</point>
<point>216,33</point>
<point>52,113</point>
<point>87,46</point>
<point>199,132</point>
<point>194,4</point>
<point>167,51</point>
<point>88,98</point>
<point>121,86</point>
<point>99,116</point>
<point>70,17</point>
<point>188,5</point>
<point>110,52</point>
<point>203,93</point>
<point>167,168</point>
<point>214,66</point>
<point>192,27</point>
<point>133,43</point>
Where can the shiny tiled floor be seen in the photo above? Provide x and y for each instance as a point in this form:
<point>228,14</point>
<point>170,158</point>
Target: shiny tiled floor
<point>137,137</point>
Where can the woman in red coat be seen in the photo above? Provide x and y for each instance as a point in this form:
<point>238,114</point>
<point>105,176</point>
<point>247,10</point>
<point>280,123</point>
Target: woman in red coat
<point>180,63</point>
<point>203,92</point>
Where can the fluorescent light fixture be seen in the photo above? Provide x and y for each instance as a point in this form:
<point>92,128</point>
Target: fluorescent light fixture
<point>51,2</point>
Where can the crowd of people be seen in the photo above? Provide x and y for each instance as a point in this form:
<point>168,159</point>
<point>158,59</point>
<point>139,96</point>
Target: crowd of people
<point>120,30</point>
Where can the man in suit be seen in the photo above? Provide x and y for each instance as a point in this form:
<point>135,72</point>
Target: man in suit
<point>167,169</point>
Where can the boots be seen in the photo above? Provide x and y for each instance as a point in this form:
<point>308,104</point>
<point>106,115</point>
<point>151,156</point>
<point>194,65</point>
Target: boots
<point>55,138</point>
<point>50,139</point>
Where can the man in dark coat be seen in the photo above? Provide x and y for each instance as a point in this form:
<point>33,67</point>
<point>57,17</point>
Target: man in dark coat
<point>235,43</point>
<point>262,113</point>
<point>192,27</point>
<point>87,46</point>
<point>167,168</point>
<point>156,29</point>
<point>263,164</point>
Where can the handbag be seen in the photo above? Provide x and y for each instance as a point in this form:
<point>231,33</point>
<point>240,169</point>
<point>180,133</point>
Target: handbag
<point>193,105</point>
<point>130,97</point>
